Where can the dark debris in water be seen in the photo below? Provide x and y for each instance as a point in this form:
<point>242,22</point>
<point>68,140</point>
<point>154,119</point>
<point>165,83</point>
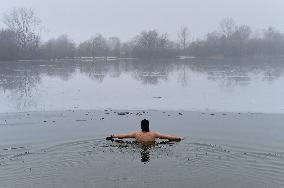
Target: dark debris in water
<point>122,113</point>
<point>20,154</point>
<point>81,120</point>
<point>157,97</point>
<point>13,148</point>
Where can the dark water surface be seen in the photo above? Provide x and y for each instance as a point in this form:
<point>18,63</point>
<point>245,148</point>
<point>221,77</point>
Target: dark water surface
<point>249,85</point>
<point>59,144</point>
<point>68,149</point>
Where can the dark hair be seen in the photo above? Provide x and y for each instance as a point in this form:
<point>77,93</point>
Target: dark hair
<point>145,125</point>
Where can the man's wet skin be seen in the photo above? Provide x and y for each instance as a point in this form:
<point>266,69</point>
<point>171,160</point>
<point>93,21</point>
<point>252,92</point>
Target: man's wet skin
<point>145,138</point>
<point>145,135</point>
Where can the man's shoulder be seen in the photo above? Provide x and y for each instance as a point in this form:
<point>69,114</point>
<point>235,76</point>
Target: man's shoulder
<point>154,133</point>
<point>135,132</point>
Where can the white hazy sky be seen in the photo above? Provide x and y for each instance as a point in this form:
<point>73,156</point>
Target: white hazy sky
<point>81,19</point>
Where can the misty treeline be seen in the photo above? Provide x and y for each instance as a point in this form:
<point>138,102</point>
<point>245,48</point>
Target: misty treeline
<point>21,39</point>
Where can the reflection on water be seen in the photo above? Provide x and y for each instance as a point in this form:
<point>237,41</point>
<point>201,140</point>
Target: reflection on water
<point>145,153</point>
<point>145,148</point>
<point>253,84</point>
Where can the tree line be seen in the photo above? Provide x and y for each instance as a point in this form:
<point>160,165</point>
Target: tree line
<point>21,39</point>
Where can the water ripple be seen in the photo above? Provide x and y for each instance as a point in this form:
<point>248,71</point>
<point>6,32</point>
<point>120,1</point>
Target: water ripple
<point>24,165</point>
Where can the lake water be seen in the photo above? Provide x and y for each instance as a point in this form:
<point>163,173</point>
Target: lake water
<point>249,85</point>
<point>54,117</point>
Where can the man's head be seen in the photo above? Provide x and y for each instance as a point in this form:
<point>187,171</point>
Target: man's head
<point>145,125</point>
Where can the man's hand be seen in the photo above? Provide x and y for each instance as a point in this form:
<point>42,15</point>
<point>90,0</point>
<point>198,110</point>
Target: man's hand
<point>110,138</point>
<point>176,139</point>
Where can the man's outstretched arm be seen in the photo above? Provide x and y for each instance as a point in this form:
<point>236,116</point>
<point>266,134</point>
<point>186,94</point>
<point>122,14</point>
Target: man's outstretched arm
<point>169,137</point>
<point>121,136</point>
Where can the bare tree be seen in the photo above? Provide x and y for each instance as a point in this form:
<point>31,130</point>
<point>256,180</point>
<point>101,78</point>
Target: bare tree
<point>227,26</point>
<point>183,37</point>
<point>8,45</point>
<point>60,47</point>
<point>242,33</point>
<point>114,46</point>
<point>126,49</point>
<point>84,49</point>
<point>99,46</point>
<point>151,44</point>
<point>272,35</point>
<point>25,23</point>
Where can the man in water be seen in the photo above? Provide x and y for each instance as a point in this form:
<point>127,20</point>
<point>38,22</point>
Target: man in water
<point>145,135</point>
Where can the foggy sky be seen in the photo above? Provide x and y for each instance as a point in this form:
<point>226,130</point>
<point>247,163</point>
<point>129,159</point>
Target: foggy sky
<point>81,19</point>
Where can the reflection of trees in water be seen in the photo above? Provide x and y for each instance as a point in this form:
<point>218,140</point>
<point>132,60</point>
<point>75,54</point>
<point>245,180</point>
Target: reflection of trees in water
<point>24,93</point>
<point>228,72</point>
<point>63,70</point>
<point>272,75</point>
<point>232,72</point>
<point>22,78</point>
<point>229,78</point>
<point>183,76</point>
<point>95,71</point>
<point>21,82</point>
<point>231,81</point>
<point>151,78</point>
<point>146,72</point>
<point>274,69</point>
<point>99,70</point>
<point>151,72</point>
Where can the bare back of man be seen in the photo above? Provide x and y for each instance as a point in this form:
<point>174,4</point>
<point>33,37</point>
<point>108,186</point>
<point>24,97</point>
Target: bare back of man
<point>150,136</point>
<point>145,135</point>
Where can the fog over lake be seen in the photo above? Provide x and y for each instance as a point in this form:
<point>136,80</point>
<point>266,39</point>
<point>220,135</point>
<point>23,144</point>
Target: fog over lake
<point>234,85</point>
